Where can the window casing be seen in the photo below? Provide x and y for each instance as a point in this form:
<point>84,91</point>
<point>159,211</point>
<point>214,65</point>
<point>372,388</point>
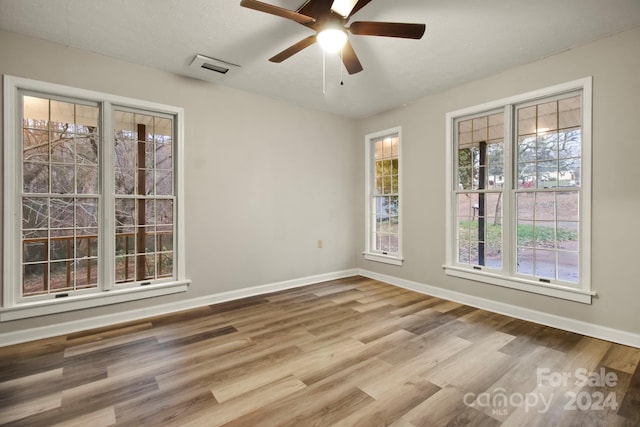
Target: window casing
<point>91,199</point>
<point>384,197</point>
<point>518,192</point>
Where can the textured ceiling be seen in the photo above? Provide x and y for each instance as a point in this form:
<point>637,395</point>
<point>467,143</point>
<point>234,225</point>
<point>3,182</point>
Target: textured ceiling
<point>465,40</point>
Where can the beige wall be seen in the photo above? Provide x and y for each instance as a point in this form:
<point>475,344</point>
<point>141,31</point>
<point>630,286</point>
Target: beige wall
<point>264,179</point>
<point>614,63</point>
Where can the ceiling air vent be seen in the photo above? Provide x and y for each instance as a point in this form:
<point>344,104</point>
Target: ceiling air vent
<point>212,64</point>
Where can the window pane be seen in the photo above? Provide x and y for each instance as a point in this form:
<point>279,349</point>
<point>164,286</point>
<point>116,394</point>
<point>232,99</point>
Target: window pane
<point>34,279</point>
<point>545,264</point>
<point>125,244</point>
<point>568,205</point>
<point>125,269</point>
<point>525,205</point>
<point>36,112</point>
<point>87,244</point>
<point>61,276</point>
<point>568,266</point>
<point>62,148</point>
<point>570,112</point>
<point>164,211</point>
<point>165,238</point>
<point>125,212</point>
<point>527,120</point>
<point>35,213</point>
<point>62,179</point>
<point>86,273</point>
<point>525,261</point>
<point>165,264</point>
<point>164,182</point>
<point>87,150</point>
<point>545,209</point>
<point>567,233</point>
<point>35,145</point>
<point>61,248</point>
<point>544,234</point>
<point>35,250</point>
<point>62,113</point>
<point>35,177</point>
<point>547,173</point>
<point>547,116</point>
<point>125,180</point>
<point>547,146</point>
<point>62,212</point>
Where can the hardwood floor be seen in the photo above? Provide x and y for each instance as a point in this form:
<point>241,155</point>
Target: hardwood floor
<point>351,352</point>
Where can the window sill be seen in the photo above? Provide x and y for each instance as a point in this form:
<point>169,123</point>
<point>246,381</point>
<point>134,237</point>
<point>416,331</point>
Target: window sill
<point>386,259</point>
<point>115,296</point>
<point>552,290</point>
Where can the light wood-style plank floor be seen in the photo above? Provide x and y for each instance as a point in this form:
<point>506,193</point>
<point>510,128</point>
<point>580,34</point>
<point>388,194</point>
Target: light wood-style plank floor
<point>350,352</point>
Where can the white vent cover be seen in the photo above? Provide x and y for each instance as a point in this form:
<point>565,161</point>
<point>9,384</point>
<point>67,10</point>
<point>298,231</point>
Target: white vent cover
<point>201,62</point>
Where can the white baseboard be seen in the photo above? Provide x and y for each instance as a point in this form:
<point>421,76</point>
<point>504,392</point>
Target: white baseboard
<point>10,338</point>
<point>565,323</point>
<point>572,325</point>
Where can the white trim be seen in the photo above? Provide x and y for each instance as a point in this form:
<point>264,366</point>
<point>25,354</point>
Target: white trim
<point>395,259</point>
<point>10,338</point>
<point>82,301</point>
<point>552,290</point>
<point>572,325</point>
<point>560,322</point>
<point>11,244</point>
<point>386,259</point>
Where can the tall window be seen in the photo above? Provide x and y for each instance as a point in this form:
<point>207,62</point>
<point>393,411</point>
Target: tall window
<point>91,199</point>
<point>383,197</point>
<point>519,192</point>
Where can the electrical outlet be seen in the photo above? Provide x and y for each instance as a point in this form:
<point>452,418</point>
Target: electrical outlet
<point>319,244</point>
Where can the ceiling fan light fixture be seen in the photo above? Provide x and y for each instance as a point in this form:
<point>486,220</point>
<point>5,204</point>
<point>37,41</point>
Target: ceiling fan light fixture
<point>332,40</point>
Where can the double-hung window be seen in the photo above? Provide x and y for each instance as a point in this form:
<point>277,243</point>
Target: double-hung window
<point>92,199</point>
<point>384,199</point>
<point>518,178</point>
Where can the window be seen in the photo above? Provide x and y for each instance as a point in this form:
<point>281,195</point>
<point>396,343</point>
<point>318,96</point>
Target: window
<point>91,199</point>
<point>383,193</point>
<point>518,182</point>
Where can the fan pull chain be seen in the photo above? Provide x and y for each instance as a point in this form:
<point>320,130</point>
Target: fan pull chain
<point>324,73</point>
<point>341,62</point>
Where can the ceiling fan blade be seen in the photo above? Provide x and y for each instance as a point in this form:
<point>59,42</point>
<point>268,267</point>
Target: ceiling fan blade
<point>292,50</point>
<point>316,8</point>
<point>388,29</point>
<point>278,11</point>
<point>350,59</point>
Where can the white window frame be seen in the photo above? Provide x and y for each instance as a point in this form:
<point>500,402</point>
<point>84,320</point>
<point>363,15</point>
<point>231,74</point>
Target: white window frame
<point>507,277</point>
<point>13,306</point>
<point>369,253</point>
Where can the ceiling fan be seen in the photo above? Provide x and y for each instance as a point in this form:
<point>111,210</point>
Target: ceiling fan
<point>328,18</point>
